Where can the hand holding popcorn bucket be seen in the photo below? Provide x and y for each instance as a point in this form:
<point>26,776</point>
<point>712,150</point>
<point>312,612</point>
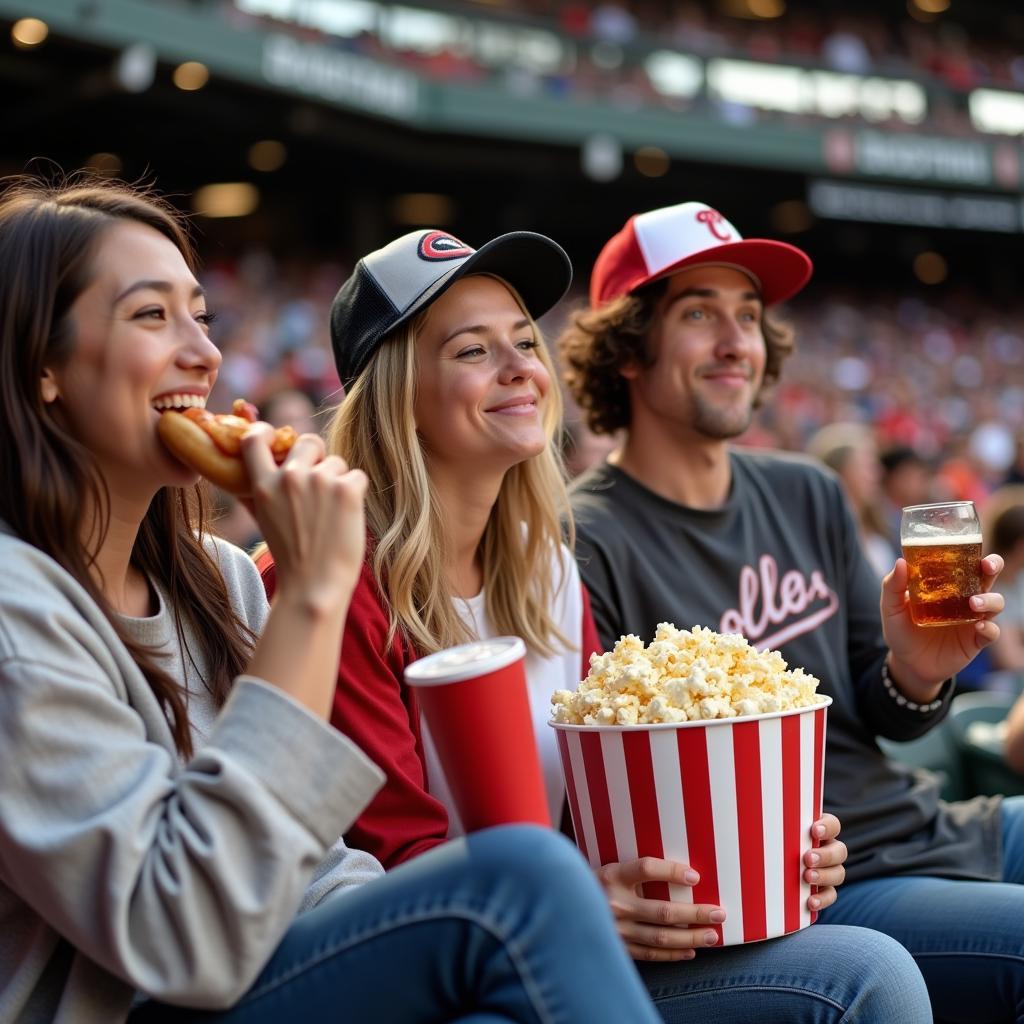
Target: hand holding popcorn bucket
<point>733,798</point>
<point>477,707</point>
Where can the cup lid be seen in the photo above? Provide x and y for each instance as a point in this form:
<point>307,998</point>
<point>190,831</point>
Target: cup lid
<point>465,661</point>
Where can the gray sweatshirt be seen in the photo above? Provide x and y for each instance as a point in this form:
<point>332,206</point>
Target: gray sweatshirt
<point>122,869</point>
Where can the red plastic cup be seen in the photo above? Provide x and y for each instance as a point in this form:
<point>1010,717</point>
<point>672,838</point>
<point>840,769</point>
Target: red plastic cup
<point>476,704</point>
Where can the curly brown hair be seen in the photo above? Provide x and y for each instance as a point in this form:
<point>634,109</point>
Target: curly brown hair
<point>598,343</point>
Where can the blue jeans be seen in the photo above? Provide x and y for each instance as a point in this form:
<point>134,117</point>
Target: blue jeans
<point>507,925</point>
<point>967,937</point>
<point>820,975</point>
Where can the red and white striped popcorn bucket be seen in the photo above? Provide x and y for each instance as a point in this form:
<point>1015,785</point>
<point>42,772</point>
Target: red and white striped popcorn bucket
<point>733,798</point>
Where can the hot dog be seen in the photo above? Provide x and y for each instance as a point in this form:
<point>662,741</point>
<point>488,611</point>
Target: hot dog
<point>211,443</point>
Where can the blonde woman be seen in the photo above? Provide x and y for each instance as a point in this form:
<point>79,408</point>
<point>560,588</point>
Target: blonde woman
<point>451,408</point>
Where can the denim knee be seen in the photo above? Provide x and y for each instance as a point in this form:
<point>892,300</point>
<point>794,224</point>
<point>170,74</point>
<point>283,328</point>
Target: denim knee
<point>542,860</point>
<point>881,977</point>
<point>530,849</point>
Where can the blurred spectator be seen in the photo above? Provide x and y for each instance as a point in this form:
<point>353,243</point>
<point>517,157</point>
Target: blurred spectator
<point>1006,536</point>
<point>849,450</point>
<point>1004,528</point>
<point>962,475</point>
<point>290,407</point>
<point>992,447</point>
<point>1015,474</point>
<point>906,480</point>
<point>613,23</point>
<point>843,49</point>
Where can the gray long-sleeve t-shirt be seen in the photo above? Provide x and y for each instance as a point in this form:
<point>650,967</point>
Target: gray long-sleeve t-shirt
<point>124,870</point>
<point>780,563</point>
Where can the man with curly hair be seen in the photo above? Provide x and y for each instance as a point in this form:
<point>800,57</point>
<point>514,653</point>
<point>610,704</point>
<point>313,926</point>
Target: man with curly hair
<point>676,351</point>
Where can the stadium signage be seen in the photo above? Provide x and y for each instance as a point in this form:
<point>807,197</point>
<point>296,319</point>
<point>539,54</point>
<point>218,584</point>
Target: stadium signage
<point>949,161</point>
<point>493,44</point>
<point>875,154</point>
<point>820,93</point>
<point>423,31</point>
<point>883,205</point>
<point>339,77</point>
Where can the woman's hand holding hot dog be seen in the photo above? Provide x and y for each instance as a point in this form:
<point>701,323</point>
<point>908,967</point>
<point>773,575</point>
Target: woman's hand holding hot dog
<point>310,510</point>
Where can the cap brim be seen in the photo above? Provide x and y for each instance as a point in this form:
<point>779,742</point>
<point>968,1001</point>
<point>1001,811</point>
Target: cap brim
<point>779,269</point>
<point>535,265</point>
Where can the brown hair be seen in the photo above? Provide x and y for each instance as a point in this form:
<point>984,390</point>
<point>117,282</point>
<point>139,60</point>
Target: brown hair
<point>48,235</point>
<point>598,343</point>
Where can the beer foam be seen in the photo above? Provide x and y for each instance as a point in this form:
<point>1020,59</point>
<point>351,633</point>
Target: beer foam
<point>934,542</point>
<point>683,676</point>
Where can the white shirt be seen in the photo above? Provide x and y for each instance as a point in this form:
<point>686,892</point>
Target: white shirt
<point>559,671</point>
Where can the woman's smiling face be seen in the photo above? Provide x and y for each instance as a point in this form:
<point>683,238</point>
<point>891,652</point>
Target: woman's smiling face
<point>140,341</point>
<point>481,378</point>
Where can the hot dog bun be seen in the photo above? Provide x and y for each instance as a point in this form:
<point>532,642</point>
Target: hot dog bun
<point>190,444</point>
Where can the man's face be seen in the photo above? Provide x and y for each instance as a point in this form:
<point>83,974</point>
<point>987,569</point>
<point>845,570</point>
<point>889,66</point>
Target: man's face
<point>707,354</point>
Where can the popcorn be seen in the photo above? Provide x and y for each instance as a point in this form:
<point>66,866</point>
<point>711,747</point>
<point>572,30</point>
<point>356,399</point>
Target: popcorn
<point>683,676</point>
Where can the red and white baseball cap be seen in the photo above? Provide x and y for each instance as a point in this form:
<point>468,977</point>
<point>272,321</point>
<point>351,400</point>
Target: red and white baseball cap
<point>661,242</point>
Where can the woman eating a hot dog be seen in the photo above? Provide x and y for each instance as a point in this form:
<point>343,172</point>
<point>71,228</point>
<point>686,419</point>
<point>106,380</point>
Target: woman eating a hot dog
<point>451,410</point>
<point>171,794</point>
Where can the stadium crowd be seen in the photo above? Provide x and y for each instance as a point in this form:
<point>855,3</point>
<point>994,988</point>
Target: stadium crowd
<point>609,43</point>
<point>907,398</point>
<point>943,376</point>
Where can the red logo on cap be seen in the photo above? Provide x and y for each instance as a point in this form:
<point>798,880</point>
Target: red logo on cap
<point>712,218</point>
<point>436,245</point>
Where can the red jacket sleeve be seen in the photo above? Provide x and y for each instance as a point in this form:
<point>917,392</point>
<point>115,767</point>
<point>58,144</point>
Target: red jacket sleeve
<point>590,642</point>
<point>374,707</point>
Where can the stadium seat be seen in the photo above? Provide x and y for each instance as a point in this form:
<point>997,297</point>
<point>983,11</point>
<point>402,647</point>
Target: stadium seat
<point>936,751</point>
<point>973,718</point>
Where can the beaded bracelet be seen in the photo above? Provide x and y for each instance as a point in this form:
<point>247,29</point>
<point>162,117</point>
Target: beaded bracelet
<point>910,705</point>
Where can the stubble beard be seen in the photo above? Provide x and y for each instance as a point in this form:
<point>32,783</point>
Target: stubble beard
<point>721,424</point>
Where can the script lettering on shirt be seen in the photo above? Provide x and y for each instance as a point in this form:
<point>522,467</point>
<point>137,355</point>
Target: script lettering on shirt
<point>768,605</point>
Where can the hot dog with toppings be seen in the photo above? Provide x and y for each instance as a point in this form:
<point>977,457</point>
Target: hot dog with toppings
<point>211,443</point>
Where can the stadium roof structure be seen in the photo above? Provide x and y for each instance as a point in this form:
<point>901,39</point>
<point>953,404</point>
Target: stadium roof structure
<point>368,145</point>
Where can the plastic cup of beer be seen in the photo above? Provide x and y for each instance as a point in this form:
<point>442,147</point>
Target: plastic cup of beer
<point>942,546</point>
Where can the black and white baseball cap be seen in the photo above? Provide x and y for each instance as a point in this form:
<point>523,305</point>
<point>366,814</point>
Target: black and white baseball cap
<point>391,285</point>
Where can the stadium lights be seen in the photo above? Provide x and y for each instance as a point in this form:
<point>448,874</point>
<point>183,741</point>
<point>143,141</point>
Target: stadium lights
<point>106,164</point>
<point>226,199</point>
<point>997,111</point>
<point>767,8</point>
<point>651,161</point>
<point>601,157</point>
<point>27,33</point>
<point>675,74</point>
<point>754,8</point>
<point>423,208</point>
<point>791,216</point>
<point>930,268</point>
<point>191,75</point>
<point>135,68</point>
<point>823,93</point>
<point>267,155</point>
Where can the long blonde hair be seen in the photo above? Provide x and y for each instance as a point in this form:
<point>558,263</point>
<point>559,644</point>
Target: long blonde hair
<point>374,430</point>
